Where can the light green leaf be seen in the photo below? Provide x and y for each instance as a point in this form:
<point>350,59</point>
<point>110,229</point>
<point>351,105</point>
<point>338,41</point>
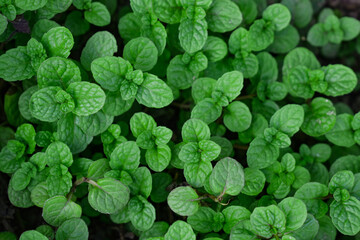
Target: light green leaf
<point>58,41</point>
<point>141,52</point>
<point>108,195</point>
<point>248,65</point>
<point>142,182</point>
<point>58,71</point>
<point>154,92</point>
<point>254,181</point>
<point>141,122</point>
<point>341,80</point>
<point>261,154</point>
<point>267,220</point>
<point>278,15</point>
<point>183,201</point>
<point>89,98</point>
<point>312,190</point>
<point>32,235</point>
<point>288,119</point>
<point>142,213</point>
<point>227,177</point>
<point>30,5</point>
<point>101,44</point>
<point>351,27</point>
<point>320,117</point>
<point>158,158</point>
<point>15,65</point>
<point>223,16</point>
<point>97,14</point>
<point>203,220</point>
<point>126,156</point>
<point>96,123</point>
<point>342,134</point>
<point>195,130</point>
<point>237,117</point>
<point>300,56</point>
<point>193,34</point>
<point>180,230</point>
<point>295,213</point>
<point>346,216</point>
<point>206,110</point>
<point>58,209</point>
<point>233,215</point>
<point>215,49</point>
<point>74,228</point>
<point>261,35</point>
<point>342,179</point>
<point>230,84</point>
<point>44,106</point>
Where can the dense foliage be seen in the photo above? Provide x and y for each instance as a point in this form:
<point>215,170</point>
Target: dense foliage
<point>180,119</point>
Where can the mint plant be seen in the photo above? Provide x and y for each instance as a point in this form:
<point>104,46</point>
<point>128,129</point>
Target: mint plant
<point>179,120</point>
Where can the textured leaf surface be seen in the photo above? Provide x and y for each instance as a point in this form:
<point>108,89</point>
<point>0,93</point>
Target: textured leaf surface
<point>182,201</point>
<point>58,41</point>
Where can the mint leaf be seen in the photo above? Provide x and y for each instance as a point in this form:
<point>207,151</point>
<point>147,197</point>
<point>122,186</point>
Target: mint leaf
<point>180,230</point>
<point>108,195</point>
<point>97,14</point>
<point>58,41</point>
<point>183,201</point>
<point>141,52</point>
<point>73,228</point>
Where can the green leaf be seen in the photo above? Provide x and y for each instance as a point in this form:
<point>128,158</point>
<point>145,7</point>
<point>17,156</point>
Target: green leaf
<point>58,209</point>
<point>142,182</point>
<point>142,213</point>
<point>30,5</point>
<point>59,184</point>
<point>97,169</point>
<point>233,215</point>
<point>215,49</point>
<point>162,134</point>
<point>15,65</point>
<point>312,190</point>
<point>158,158</point>
<point>96,123</point>
<point>295,213</point>
<point>203,220</point>
<point>141,52</point>
<point>57,6</point>
<point>285,40</point>
<point>288,119</point>
<point>345,216</point>
<point>141,122</point>
<point>195,130</point>
<point>101,44</point>
<point>58,41</point>
<point>278,15</point>
<point>44,106</point>
<point>41,27</point>
<point>341,80</point>
<point>238,41</point>
<point>126,156</point>
<point>180,230</point>
<point>39,194</point>
<point>301,11</point>
<point>19,199</point>
<point>32,235</point>
<point>342,134</point>
<point>351,28</point>
<point>261,35</point>
<point>70,133</point>
<point>160,182</point>
<point>227,177</point>
<point>320,117</point>
<point>267,220</point>
<point>76,23</point>
<point>190,153</point>
<point>300,57</point>
<point>158,229</point>
<point>115,105</point>
<point>183,201</point>
<point>326,229</point>
<point>11,156</point>
<point>342,179</point>
<point>237,117</point>
<point>317,35</point>
<point>298,83</point>
<point>26,134</point>
<point>261,154</point>
<point>58,71</point>
<point>89,98</point>
<point>254,181</point>
<point>206,110</point>
<point>97,14</point>
<point>3,24</point>
<point>349,162</point>
<point>179,74</point>
<point>308,230</point>
<point>248,65</point>
<point>108,195</point>
<point>230,84</point>
<point>209,150</point>
<point>242,230</point>
<point>196,173</point>
<point>74,228</point>
<point>109,71</point>
<point>154,92</point>
<point>193,34</point>
<point>223,16</point>
<point>129,26</point>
